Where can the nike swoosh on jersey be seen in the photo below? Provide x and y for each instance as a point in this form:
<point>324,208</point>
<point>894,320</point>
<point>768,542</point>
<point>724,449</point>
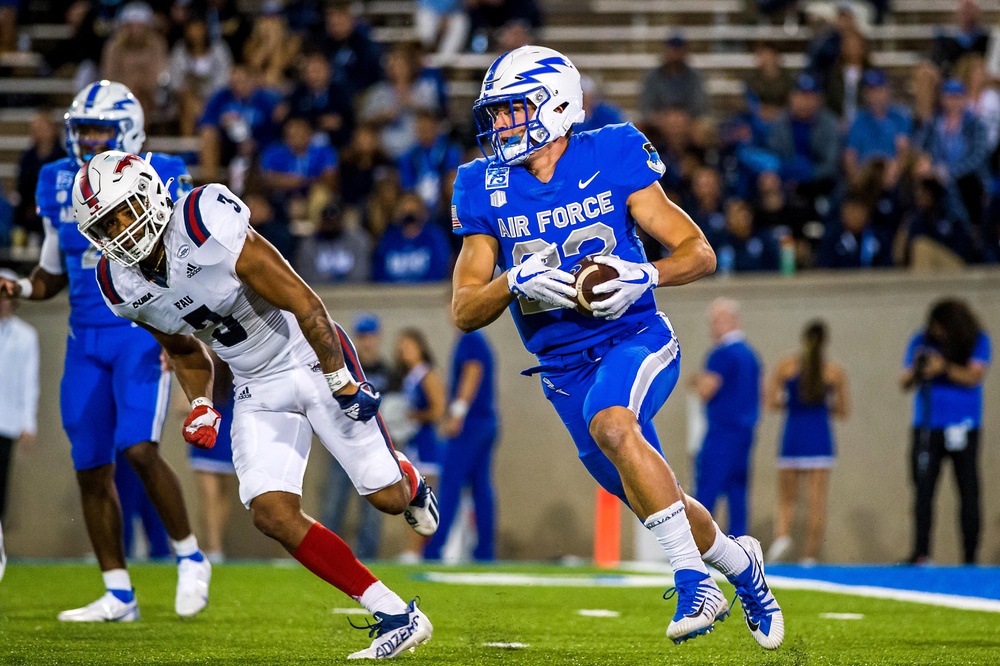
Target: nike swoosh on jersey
<point>584,183</point>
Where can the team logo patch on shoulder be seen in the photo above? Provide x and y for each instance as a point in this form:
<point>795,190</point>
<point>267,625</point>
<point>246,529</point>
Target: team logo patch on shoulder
<point>497,177</point>
<point>498,199</point>
<point>654,162</point>
<point>183,251</point>
<point>455,224</point>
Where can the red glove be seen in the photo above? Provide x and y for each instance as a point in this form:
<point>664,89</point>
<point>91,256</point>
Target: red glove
<point>201,427</point>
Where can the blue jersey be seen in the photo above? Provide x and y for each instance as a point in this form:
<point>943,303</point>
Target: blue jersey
<point>950,403</point>
<point>474,347</point>
<point>581,209</point>
<point>79,258</point>
<point>737,402</point>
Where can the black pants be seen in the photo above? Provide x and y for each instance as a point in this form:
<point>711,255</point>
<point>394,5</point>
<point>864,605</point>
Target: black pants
<point>928,452</point>
<point>6,450</point>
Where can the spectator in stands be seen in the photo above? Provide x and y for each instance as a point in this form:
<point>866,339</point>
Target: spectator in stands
<point>363,163</point>
<point>226,22</point>
<point>271,49</point>
<point>88,32</point>
<point>730,388</point>
<point>936,239</point>
<point>843,85</point>
<point>393,104</point>
<point>303,16</point>
<point>968,36</point>
<point>411,250</point>
<point>514,34</point>
<point>806,140</point>
<point>984,99</point>
<point>853,243</point>
<point>339,492</point>
<point>199,68</point>
<point>878,182</point>
<point>823,51</point>
<point>674,84</point>
<point>489,17</point>
<point>881,129</point>
<point>237,120</point>
<point>355,57</point>
<point>136,55</point>
<point>780,215</point>
<point>739,248</point>
<point>768,84</point>
<point>811,389</point>
<point>337,252</point>
<point>946,364</point>
<point>429,168</point>
<point>324,104</point>
<point>8,25</point>
<point>45,147</point>
<point>925,84</point>
<point>441,26</point>
<point>381,207</point>
<point>670,132</point>
<point>958,146</point>
<point>271,221</point>
<point>599,111</point>
<point>299,174</point>
<point>705,204</point>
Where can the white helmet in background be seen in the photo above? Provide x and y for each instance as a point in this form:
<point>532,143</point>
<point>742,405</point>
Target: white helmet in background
<point>114,183</point>
<point>539,78</point>
<point>109,104</point>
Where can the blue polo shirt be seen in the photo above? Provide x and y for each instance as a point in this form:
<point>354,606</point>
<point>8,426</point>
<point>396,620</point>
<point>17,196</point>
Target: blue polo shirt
<point>279,158</point>
<point>737,402</point>
<point>950,403</point>
<point>474,347</point>
<point>872,137</point>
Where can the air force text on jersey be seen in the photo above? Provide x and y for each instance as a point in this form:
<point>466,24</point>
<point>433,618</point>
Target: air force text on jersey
<point>560,216</point>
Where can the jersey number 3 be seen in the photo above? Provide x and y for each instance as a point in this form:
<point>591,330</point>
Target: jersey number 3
<point>570,247</point>
<point>228,331</point>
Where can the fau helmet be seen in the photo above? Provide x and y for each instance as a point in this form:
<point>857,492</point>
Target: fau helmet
<point>110,104</point>
<point>539,78</point>
<point>111,183</point>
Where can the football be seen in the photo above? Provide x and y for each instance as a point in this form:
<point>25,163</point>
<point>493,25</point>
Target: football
<point>589,274</point>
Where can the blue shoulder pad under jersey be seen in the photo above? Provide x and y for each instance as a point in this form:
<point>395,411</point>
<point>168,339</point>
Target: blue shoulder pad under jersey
<point>582,209</point>
<point>54,198</point>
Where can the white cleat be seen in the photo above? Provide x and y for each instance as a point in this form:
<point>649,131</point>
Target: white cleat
<point>192,586</point>
<point>700,604</point>
<point>422,513</point>
<point>394,634</point>
<point>760,609</point>
<point>108,608</point>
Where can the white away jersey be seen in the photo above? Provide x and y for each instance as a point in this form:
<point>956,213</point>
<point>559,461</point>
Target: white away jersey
<point>203,295</point>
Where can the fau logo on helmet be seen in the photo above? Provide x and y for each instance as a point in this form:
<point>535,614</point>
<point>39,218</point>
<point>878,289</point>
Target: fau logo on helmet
<point>124,162</point>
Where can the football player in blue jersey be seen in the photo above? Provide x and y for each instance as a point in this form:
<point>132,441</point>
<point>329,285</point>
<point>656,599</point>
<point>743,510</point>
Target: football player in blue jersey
<point>114,392</point>
<point>543,199</point>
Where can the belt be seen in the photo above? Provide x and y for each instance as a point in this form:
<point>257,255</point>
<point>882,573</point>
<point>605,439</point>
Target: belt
<point>557,362</point>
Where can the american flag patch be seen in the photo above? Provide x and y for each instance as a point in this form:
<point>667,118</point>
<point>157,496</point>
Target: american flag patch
<point>455,224</point>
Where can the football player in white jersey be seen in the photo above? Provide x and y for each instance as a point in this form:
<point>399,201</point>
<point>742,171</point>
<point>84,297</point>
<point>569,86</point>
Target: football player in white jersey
<point>195,273</point>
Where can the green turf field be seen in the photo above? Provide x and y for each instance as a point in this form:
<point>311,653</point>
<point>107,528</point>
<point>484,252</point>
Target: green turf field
<point>261,614</point>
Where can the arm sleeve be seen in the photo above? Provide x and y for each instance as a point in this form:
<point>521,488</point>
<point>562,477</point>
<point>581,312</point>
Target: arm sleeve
<point>982,352</point>
<point>50,258</point>
<point>638,164</point>
<point>29,422</point>
<point>464,220</point>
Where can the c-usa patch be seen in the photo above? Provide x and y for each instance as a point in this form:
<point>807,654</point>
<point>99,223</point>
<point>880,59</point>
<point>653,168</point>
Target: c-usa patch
<point>497,177</point>
<point>654,162</point>
<point>183,251</point>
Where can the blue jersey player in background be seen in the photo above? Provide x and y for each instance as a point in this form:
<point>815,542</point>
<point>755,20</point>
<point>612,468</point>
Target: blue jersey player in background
<point>542,200</point>
<point>114,392</point>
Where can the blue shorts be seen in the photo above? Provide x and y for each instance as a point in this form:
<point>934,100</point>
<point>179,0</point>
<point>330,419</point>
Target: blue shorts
<point>637,370</point>
<point>219,458</point>
<point>113,394</point>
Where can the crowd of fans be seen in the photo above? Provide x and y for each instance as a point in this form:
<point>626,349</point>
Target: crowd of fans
<point>344,149</point>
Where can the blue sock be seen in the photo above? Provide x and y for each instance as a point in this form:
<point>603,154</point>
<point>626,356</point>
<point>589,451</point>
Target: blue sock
<point>196,556</point>
<point>124,596</point>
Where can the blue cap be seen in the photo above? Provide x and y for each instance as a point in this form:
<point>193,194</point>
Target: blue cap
<point>875,78</point>
<point>806,83</point>
<point>367,323</point>
<point>676,40</point>
<point>953,87</point>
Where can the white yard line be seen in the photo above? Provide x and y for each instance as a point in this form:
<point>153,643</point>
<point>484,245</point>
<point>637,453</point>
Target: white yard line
<point>597,612</point>
<point>842,616</point>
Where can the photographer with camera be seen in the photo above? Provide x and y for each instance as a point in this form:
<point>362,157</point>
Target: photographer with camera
<point>946,364</point>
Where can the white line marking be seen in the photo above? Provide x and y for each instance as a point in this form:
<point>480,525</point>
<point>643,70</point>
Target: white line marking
<point>842,616</point>
<point>508,646</point>
<point>598,612</point>
<point>663,582</point>
<point>350,611</point>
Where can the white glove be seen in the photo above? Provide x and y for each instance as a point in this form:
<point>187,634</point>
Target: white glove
<point>632,282</point>
<point>534,279</point>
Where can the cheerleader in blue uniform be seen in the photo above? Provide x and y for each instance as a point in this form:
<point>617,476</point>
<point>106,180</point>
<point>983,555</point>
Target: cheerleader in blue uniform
<point>811,389</point>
